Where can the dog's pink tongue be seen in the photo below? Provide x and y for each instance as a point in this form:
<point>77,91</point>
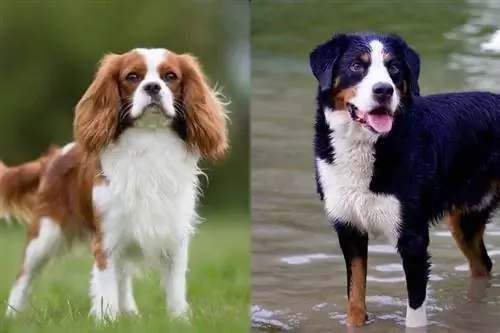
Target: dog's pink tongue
<point>380,122</point>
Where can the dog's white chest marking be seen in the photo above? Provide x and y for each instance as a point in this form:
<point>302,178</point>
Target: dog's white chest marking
<point>148,204</point>
<point>346,182</point>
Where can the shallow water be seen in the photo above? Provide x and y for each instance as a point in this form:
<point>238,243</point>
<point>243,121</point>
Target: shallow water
<point>298,270</point>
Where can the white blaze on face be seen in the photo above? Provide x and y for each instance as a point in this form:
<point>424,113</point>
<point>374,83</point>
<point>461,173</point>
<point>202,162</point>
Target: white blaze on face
<point>364,100</point>
<point>153,58</point>
<point>377,73</point>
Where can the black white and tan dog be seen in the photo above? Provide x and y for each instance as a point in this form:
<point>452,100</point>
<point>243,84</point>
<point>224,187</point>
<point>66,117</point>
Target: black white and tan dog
<point>390,161</point>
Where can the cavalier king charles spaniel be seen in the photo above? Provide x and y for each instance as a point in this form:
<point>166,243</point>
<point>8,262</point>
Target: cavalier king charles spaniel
<point>128,183</point>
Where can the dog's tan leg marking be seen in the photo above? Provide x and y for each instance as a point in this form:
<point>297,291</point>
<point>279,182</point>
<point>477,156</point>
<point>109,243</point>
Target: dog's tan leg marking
<point>472,249</point>
<point>356,306</point>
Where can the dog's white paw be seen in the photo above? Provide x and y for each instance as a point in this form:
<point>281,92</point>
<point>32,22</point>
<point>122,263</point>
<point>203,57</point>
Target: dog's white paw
<point>132,312</point>
<point>104,312</point>
<point>130,308</point>
<point>10,312</point>
<point>181,311</point>
<point>416,318</point>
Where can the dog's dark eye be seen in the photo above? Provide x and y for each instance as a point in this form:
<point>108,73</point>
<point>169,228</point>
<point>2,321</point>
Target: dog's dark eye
<point>356,67</point>
<point>393,69</point>
<point>133,77</point>
<point>169,76</point>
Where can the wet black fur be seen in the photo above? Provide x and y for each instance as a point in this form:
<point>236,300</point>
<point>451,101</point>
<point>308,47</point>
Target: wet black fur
<point>442,152</point>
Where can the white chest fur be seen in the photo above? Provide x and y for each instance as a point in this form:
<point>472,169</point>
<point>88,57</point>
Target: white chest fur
<point>346,183</point>
<point>149,202</point>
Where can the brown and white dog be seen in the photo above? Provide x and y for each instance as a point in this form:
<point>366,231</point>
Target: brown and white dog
<point>129,182</point>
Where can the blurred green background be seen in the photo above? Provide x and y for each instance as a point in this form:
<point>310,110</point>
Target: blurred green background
<point>48,56</point>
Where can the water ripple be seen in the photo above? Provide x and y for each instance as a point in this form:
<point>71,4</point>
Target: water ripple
<point>389,268</point>
<point>265,319</point>
<point>381,248</point>
<point>308,258</point>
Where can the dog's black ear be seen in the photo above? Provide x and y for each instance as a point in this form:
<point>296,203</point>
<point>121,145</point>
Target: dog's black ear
<point>323,58</point>
<point>412,65</point>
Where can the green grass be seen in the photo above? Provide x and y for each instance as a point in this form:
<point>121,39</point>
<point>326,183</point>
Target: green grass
<point>218,288</point>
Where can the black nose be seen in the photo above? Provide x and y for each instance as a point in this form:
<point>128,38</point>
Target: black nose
<point>152,88</point>
<point>382,92</point>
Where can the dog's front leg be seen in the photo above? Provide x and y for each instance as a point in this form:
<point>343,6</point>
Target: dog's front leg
<point>354,245</point>
<point>413,248</point>
<point>104,286</point>
<point>126,298</point>
<point>174,279</point>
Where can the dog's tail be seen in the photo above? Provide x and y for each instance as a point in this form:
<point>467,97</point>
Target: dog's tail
<point>19,184</point>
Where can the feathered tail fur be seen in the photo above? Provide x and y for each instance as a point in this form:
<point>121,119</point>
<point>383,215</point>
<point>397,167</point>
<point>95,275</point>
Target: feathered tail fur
<point>19,185</point>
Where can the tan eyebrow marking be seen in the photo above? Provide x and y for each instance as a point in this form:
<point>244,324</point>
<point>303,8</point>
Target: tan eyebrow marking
<point>365,57</point>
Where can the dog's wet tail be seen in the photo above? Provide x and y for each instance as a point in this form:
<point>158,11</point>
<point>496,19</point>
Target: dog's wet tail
<point>19,184</point>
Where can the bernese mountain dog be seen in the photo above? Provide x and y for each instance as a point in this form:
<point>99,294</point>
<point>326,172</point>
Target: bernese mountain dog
<point>390,161</point>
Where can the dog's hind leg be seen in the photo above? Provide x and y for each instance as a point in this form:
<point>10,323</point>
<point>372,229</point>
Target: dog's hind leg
<point>44,240</point>
<point>354,245</point>
<point>467,229</point>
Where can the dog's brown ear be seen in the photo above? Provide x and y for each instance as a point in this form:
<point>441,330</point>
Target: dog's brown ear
<point>97,112</point>
<point>205,113</point>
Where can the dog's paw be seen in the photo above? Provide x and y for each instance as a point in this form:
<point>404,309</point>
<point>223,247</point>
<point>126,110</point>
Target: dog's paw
<point>416,318</point>
<point>180,311</point>
<point>131,309</point>
<point>132,312</point>
<point>105,313</point>
<point>11,312</point>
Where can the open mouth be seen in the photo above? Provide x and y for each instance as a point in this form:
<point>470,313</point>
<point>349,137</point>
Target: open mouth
<point>378,120</point>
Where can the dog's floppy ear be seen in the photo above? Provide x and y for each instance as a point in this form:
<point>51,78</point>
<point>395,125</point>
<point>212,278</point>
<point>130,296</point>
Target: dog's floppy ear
<point>323,58</point>
<point>412,65</point>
